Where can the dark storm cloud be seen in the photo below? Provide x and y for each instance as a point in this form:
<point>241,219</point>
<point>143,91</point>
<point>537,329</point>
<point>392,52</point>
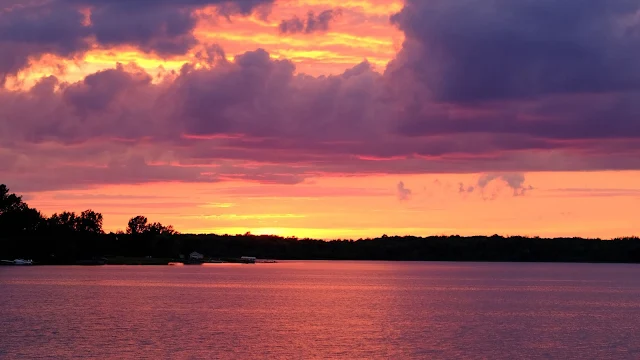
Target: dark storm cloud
<point>469,51</point>
<point>245,95</point>
<point>59,26</point>
<point>548,118</point>
<point>160,26</point>
<point>263,98</point>
<point>313,23</point>
<point>543,72</point>
<point>98,90</point>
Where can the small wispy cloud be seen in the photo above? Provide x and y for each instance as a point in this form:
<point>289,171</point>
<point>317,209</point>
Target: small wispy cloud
<point>313,23</point>
<point>514,181</point>
<point>403,192</point>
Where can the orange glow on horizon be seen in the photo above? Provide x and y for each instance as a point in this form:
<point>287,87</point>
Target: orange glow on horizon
<point>595,204</point>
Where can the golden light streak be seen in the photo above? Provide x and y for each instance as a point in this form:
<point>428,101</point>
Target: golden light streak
<point>370,7</point>
<point>235,217</point>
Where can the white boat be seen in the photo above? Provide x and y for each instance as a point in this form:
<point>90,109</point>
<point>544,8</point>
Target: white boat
<point>248,259</point>
<point>22,262</point>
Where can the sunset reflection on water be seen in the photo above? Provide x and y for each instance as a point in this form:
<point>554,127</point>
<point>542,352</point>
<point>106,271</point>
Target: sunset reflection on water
<point>318,309</point>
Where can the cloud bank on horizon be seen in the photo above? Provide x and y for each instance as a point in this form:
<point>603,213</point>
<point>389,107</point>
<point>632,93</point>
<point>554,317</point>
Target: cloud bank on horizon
<point>501,86</point>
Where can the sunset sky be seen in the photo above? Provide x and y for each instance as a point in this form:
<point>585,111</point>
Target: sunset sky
<point>325,118</point>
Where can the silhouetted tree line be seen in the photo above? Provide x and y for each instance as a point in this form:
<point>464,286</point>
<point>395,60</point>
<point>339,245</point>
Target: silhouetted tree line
<point>68,237</point>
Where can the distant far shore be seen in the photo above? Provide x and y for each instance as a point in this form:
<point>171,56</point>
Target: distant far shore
<point>130,249</point>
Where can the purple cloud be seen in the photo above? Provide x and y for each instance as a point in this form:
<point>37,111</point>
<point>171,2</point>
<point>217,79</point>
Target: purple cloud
<point>474,51</point>
<point>60,27</point>
<point>255,119</point>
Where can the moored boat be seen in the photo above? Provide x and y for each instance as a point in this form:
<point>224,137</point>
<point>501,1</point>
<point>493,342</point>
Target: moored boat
<point>22,262</point>
<point>248,259</point>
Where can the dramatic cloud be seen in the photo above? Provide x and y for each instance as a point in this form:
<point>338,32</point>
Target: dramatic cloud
<point>254,119</point>
<point>476,88</point>
<point>313,23</point>
<point>68,27</point>
<point>530,74</point>
<point>403,192</point>
<point>468,51</point>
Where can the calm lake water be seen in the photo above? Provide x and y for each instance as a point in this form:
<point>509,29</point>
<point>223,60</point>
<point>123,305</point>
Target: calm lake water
<point>309,309</point>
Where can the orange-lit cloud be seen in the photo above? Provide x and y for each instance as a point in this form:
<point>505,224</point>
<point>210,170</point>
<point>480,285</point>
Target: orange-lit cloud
<point>346,44</point>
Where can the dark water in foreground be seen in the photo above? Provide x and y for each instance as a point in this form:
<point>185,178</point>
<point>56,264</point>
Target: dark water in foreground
<point>304,310</point>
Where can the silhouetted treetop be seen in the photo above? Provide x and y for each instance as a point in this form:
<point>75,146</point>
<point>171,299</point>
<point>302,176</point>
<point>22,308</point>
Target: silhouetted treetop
<point>10,202</point>
<point>15,216</point>
<point>158,228</point>
<point>137,225</point>
<point>88,221</point>
<point>140,225</point>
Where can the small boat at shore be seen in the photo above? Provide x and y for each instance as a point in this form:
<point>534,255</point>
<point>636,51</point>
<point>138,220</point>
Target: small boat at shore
<point>21,262</point>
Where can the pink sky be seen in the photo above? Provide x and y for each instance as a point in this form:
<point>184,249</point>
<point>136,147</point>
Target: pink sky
<point>374,117</point>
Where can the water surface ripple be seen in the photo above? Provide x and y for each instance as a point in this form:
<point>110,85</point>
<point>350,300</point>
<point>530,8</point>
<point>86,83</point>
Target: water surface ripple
<point>322,310</point>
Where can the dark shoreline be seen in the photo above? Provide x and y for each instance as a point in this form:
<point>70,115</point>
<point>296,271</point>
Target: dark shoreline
<point>161,249</point>
<point>337,260</point>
